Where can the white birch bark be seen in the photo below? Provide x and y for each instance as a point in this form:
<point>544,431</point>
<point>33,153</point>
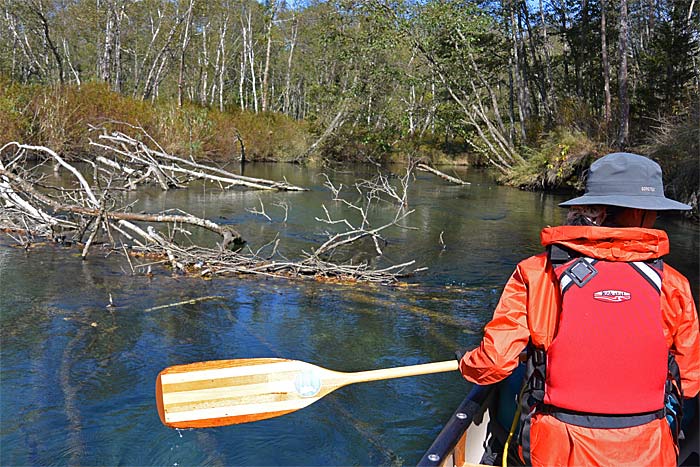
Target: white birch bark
<point>251,62</point>
<point>204,64</point>
<point>266,71</point>
<point>222,64</point>
<point>183,51</point>
<point>288,78</point>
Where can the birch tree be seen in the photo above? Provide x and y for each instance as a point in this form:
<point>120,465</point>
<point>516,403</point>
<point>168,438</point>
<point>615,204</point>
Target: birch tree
<point>269,18</point>
<point>183,50</point>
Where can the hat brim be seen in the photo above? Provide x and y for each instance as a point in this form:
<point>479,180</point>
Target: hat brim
<point>652,203</point>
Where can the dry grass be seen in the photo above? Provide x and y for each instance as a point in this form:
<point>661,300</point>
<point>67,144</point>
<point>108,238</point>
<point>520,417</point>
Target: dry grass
<point>58,117</point>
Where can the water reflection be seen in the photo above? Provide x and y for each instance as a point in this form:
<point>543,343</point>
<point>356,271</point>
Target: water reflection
<point>77,377</point>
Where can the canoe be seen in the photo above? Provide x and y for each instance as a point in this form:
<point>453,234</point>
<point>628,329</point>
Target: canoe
<point>475,433</point>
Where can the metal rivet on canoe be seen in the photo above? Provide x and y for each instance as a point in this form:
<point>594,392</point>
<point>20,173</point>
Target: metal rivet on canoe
<point>433,457</point>
<point>461,415</point>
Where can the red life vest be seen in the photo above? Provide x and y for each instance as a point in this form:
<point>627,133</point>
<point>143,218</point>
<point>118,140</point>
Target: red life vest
<point>609,355</point>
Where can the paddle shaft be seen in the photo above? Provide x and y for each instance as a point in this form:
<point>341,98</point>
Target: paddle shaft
<point>400,372</point>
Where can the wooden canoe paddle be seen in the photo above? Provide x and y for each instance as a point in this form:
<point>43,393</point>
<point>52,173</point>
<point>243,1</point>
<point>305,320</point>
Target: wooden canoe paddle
<point>226,392</point>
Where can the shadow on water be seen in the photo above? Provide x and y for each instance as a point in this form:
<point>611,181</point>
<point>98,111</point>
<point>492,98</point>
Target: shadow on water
<point>77,377</point>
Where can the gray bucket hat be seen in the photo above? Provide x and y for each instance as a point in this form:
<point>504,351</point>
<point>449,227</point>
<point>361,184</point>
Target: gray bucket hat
<point>626,180</point>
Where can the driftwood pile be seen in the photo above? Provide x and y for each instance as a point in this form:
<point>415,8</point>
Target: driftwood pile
<point>92,207</point>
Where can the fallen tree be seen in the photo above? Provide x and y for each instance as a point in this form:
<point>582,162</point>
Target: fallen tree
<point>84,211</point>
<point>138,162</point>
<point>444,176</point>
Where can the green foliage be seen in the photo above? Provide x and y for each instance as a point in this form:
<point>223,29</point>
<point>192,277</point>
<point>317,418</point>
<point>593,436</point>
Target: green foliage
<point>436,79</point>
<point>667,62</point>
<point>576,114</point>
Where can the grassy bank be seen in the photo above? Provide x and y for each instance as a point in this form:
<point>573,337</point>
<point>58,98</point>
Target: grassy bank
<point>59,117</point>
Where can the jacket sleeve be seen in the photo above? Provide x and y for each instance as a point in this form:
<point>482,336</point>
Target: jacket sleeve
<point>505,336</point>
<point>681,326</point>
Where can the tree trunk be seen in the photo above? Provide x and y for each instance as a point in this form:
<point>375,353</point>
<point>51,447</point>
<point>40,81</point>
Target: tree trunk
<point>183,50</point>
<point>251,61</point>
<point>551,93</point>
<point>623,136</point>
<point>204,64</point>
<point>66,51</point>
<point>562,33</point>
<point>266,71</point>
<point>106,60</point>
<point>38,9</point>
<point>222,65</point>
<point>537,76</point>
<point>243,66</point>
<point>288,80</point>
<point>579,53</point>
<point>518,81</point>
<point>606,64</point>
<point>117,56</point>
<point>150,88</point>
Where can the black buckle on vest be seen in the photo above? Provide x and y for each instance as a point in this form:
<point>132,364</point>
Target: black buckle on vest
<point>581,272</point>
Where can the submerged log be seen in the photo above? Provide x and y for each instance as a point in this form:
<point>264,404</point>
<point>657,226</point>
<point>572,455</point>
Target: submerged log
<point>444,176</point>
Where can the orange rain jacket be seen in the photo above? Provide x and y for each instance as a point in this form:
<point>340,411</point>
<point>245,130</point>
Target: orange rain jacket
<point>529,309</point>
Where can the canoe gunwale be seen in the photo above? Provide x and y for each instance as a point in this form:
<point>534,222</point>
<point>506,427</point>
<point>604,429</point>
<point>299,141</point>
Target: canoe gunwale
<point>470,409</point>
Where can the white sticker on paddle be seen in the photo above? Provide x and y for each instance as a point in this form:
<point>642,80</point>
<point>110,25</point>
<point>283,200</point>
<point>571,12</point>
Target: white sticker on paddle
<point>307,383</point>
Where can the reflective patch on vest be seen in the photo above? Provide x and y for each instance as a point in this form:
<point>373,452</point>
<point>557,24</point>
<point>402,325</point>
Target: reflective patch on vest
<point>649,273</point>
<point>612,296</point>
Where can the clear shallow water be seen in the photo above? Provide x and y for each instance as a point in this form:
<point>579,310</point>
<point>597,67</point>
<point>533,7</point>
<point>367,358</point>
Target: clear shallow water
<point>77,378</point>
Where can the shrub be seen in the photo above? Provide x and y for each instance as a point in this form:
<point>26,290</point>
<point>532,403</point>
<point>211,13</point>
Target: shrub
<point>557,163</point>
<point>14,118</point>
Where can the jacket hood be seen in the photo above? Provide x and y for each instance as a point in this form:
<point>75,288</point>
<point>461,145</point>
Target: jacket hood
<point>609,244</point>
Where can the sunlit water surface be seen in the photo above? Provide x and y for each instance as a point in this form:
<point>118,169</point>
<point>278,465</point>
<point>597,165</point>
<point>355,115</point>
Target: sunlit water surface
<point>77,377</point>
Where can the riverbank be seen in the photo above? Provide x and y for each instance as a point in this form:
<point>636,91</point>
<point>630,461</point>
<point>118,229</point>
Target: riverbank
<point>59,117</point>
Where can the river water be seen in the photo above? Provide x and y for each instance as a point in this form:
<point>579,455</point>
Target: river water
<point>77,377</point>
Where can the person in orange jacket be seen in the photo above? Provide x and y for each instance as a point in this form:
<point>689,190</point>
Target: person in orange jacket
<point>607,317</point>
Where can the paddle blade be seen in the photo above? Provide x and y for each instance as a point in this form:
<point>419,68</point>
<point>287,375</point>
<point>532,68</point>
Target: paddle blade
<point>227,392</point>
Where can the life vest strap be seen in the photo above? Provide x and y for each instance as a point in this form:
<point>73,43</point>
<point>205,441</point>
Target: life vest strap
<point>606,421</point>
<point>648,273</point>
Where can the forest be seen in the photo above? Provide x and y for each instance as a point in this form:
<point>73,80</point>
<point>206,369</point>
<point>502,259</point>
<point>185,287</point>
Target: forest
<point>534,89</point>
